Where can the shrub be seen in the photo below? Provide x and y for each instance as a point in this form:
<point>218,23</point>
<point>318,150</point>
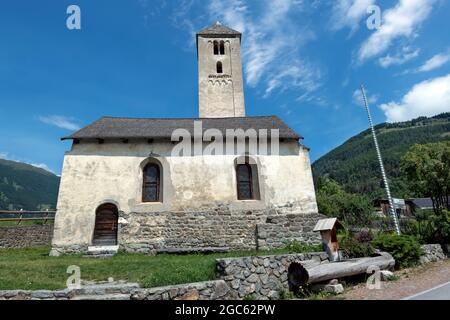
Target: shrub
<point>405,249</point>
<point>354,248</point>
<point>427,167</point>
<point>296,246</point>
<point>429,227</point>
<point>333,201</point>
<point>364,236</point>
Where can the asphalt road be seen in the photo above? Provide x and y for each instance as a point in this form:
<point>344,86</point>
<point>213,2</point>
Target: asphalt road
<point>441,292</point>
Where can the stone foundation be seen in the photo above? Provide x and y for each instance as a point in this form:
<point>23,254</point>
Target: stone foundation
<point>72,249</point>
<point>278,230</point>
<point>141,232</point>
<point>220,228</point>
<point>26,236</point>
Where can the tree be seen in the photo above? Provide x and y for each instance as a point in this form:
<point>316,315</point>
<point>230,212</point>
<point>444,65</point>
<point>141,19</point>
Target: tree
<point>333,201</point>
<point>427,167</point>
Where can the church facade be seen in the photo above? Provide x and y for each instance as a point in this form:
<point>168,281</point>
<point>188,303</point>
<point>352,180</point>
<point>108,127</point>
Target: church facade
<point>220,181</point>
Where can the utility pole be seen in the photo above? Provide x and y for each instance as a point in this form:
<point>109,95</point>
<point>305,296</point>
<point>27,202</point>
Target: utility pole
<point>380,160</point>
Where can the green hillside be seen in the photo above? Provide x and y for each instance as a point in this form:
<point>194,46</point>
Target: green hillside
<point>23,186</point>
<point>354,164</point>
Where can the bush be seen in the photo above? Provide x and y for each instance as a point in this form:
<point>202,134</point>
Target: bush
<point>427,167</point>
<point>429,227</point>
<point>364,236</point>
<point>355,248</point>
<point>296,246</point>
<point>405,249</point>
<point>351,209</point>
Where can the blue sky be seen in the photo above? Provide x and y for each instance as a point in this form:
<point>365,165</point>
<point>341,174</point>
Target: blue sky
<point>303,61</point>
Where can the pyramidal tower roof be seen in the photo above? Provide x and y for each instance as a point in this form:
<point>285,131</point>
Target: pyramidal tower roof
<point>219,29</point>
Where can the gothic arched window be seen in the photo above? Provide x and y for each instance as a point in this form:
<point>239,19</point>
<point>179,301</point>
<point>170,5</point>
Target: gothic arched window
<point>244,182</point>
<point>216,47</point>
<point>219,67</point>
<point>151,183</point>
<point>222,48</point>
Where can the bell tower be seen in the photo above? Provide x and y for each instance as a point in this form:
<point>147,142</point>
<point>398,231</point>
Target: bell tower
<point>221,90</point>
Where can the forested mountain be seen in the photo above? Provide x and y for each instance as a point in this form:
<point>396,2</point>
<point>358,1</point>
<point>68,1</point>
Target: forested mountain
<point>23,186</point>
<point>355,166</point>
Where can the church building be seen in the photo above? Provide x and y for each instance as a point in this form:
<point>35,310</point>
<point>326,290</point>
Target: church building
<point>222,181</point>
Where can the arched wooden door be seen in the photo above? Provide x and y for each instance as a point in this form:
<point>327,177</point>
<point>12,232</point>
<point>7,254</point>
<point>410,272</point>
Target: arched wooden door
<point>106,223</point>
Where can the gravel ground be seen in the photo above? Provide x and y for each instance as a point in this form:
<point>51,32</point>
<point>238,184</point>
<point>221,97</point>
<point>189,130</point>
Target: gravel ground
<point>410,282</point>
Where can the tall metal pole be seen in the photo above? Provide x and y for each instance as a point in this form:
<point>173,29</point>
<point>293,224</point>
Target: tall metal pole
<point>380,160</point>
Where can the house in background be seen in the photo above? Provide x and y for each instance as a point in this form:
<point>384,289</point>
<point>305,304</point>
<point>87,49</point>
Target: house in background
<point>403,207</point>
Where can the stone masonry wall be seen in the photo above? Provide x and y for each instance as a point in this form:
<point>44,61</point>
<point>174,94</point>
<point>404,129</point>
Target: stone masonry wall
<point>207,290</point>
<point>432,252</point>
<point>262,277</point>
<point>278,230</point>
<point>219,228</point>
<point>26,236</point>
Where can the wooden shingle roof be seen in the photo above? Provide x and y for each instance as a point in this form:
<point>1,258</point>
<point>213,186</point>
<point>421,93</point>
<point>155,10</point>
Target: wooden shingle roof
<point>162,128</point>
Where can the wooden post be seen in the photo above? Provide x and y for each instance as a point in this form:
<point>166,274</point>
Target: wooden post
<point>20,217</point>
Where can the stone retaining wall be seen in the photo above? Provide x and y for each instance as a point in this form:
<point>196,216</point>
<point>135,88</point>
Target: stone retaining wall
<point>432,252</point>
<point>26,236</point>
<point>262,277</point>
<point>36,295</point>
<point>207,290</point>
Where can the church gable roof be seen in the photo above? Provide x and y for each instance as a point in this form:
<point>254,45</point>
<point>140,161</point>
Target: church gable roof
<point>162,128</point>
<point>218,29</point>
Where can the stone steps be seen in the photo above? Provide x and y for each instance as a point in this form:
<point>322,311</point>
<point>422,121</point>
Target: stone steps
<point>101,252</point>
<point>99,255</point>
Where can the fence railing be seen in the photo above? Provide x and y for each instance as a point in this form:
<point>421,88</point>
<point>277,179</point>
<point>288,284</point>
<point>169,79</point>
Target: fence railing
<point>23,215</point>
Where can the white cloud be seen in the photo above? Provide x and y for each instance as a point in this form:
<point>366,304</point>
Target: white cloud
<point>427,98</point>
<point>406,55</point>
<point>272,43</point>
<point>358,98</point>
<point>60,122</point>
<point>400,21</point>
<point>434,62</point>
<point>298,74</point>
<point>42,166</point>
<point>348,13</point>
<point>6,156</point>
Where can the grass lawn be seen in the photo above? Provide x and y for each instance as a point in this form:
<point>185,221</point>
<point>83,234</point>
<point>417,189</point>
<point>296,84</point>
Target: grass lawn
<point>33,269</point>
<point>22,223</point>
